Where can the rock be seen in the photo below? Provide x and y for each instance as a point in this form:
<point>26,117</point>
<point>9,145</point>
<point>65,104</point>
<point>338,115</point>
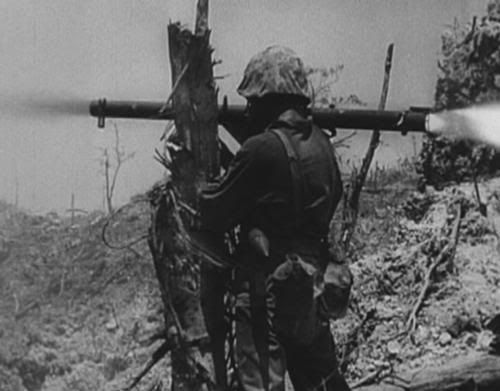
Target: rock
<point>111,325</point>
<point>393,348</point>
<point>153,317</point>
<point>445,338</point>
<point>85,376</point>
<point>113,365</point>
<point>9,381</point>
<point>32,373</point>
<point>151,327</point>
<point>423,334</point>
<point>484,340</point>
<point>380,331</point>
<point>470,340</point>
<point>385,312</point>
<point>73,357</point>
<point>59,330</point>
<point>459,324</point>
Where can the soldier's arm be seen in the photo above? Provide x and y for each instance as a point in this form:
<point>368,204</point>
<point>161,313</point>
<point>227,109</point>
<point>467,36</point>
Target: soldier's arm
<point>226,203</point>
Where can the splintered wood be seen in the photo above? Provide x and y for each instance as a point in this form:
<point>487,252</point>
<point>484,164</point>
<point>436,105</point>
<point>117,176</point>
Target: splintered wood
<point>480,372</point>
<point>193,161</point>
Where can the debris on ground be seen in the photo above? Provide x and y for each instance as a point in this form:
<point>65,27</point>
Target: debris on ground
<point>77,314</point>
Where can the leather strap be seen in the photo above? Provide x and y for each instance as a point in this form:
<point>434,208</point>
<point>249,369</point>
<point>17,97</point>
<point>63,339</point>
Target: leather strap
<point>258,308</point>
<point>296,173</point>
<point>333,170</point>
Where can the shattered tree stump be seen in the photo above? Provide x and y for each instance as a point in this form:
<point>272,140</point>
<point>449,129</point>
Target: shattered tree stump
<point>194,100</point>
<point>473,373</point>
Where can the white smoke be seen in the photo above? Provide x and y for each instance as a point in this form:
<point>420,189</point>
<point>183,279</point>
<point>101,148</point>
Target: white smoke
<point>477,123</point>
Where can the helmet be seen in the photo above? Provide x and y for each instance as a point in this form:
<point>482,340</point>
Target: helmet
<point>276,70</point>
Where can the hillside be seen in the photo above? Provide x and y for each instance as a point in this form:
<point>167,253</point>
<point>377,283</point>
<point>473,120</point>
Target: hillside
<point>463,295</point>
<point>76,315</point>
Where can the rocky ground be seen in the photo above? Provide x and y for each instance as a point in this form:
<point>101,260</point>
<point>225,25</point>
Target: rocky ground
<point>463,295</point>
<point>76,315</point>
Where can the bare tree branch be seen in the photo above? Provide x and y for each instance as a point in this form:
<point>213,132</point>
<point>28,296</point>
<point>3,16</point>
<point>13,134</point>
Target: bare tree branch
<point>351,209</point>
<point>111,174</point>
<point>447,253</point>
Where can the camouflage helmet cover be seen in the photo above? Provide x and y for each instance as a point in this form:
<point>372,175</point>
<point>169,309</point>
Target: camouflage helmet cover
<point>276,70</point>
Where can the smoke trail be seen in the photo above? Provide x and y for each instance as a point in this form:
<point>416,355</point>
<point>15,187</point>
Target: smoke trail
<point>478,123</point>
<point>43,106</point>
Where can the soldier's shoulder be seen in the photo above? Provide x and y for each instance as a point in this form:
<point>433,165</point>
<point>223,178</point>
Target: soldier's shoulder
<point>264,145</point>
<point>262,140</point>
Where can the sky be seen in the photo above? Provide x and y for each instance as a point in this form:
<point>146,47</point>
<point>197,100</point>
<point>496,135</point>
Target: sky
<point>57,55</point>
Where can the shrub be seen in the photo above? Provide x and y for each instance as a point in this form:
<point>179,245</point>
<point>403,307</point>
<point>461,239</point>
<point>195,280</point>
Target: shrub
<point>469,73</point>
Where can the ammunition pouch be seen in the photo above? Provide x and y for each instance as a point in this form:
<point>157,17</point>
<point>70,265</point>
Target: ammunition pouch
<point>305,295</point>
<point>292,285</point>
<point>336,291</point>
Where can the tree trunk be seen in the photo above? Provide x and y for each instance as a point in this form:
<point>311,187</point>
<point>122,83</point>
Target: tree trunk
<point>194,100</point>
<point>473,373</point>
<point>351,204</point>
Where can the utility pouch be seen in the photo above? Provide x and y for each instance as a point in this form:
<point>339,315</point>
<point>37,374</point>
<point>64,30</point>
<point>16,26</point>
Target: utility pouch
<point>336,289</point>
<point>258,242</point>
<point>292,285</point>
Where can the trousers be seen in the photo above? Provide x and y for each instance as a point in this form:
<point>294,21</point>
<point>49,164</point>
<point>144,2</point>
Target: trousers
<point>311,366</point>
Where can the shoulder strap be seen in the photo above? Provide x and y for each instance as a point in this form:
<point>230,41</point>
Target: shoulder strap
<point>328,148</point>
<point>296,174</point>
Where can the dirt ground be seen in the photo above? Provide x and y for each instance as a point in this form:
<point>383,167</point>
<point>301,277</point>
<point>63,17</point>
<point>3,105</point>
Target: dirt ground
<point>465,292</point>
<point>76,315</point>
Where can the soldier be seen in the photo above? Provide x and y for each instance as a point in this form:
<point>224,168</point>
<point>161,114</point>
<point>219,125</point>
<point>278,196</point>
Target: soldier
<point>281,189</point>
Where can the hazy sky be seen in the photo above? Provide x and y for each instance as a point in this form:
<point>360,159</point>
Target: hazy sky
<point>71,51</point>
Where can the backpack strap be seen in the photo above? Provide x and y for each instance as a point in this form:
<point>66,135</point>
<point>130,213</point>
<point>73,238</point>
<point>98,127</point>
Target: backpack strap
<point>296,174</point>
<point>328,148</point>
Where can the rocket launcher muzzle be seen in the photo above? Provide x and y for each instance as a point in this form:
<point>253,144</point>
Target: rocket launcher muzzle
<point>412,120</point>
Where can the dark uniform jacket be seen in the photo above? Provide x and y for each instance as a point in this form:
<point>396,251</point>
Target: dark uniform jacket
<point>273,322</point>
<point>257,189</point>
